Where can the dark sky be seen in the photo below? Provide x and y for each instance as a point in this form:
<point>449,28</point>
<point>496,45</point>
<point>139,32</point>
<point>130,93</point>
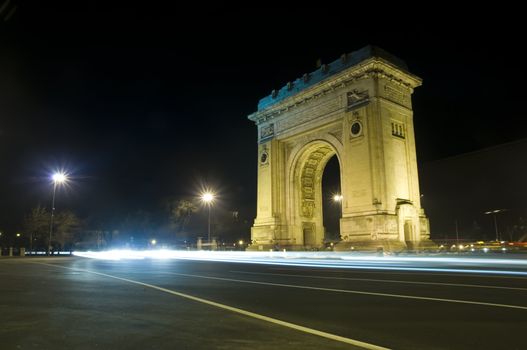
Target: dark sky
<point>143,102</point>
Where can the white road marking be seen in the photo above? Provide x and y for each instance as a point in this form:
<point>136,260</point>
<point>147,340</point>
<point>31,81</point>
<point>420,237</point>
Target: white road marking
<point>381,280</point>
<point>404,272</point>
<point>358,292</point>
<point>334,337</point>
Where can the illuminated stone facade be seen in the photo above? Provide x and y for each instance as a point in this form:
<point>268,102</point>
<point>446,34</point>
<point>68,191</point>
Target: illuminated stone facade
<point>358,108</point>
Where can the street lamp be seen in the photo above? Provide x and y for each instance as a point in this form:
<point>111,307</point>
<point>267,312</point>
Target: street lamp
<point>208,198</point>
<point>494,212</point>
<point>58,179</point>
<point>337,198</point>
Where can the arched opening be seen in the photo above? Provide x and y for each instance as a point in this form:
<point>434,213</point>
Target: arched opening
<point>332,201</point>
<point>309,197</point>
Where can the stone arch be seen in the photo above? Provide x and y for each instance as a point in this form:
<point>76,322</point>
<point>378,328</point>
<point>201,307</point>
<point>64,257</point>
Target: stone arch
<point>300,129</point>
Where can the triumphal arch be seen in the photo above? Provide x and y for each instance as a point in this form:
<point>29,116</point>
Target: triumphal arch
<point>358,108</point>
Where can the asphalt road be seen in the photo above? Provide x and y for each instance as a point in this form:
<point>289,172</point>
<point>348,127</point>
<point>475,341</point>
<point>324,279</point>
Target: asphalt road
<point>80,303</point>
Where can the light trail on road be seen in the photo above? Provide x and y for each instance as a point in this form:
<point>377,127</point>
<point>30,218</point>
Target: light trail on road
<point>335,260</point>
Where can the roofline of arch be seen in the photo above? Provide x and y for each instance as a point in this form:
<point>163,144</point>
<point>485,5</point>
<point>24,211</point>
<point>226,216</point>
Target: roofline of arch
<point>370,68</point>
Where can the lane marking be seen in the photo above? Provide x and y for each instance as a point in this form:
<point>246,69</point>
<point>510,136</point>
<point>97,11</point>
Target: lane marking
<point>357,292</point>
<point>381,280</point>
<point>297,327</point>
<point>404,273</point>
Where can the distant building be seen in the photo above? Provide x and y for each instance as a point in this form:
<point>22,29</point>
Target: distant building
<point>464,187</point>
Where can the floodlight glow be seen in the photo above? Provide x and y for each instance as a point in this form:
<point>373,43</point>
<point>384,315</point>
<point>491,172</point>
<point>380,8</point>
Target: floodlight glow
<point>153,242</point>
<point>59,178</point>
<point>337,198</point>
<point>112,255</point>
<point>207,197</point>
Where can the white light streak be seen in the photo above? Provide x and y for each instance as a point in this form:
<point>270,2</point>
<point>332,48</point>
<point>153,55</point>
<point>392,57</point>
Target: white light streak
<point>329,260</point>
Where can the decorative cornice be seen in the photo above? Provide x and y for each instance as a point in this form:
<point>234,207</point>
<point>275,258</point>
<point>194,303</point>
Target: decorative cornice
<point>374,67</point>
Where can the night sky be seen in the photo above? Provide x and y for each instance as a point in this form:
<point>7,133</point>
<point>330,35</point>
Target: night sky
<point>142,103</point>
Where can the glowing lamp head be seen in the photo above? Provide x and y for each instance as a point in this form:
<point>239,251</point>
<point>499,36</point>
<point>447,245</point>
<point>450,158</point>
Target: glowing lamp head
<point>59,178</point>
<point>207,197</point>
<point>153,242</point>
<point>337,198</point>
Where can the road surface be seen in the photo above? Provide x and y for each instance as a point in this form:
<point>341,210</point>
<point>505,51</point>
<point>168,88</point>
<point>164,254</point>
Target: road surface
<point>82,303</point>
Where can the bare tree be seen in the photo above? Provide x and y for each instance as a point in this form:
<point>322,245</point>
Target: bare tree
<point>67,224</point>
<point>180,212</point>
<point>36,225</point>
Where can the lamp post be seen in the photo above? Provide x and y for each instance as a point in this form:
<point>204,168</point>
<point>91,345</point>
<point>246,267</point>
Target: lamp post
<point>494,212</point>
<point>58,178</point>
<point>337,198</point>
<point>208,198</point>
